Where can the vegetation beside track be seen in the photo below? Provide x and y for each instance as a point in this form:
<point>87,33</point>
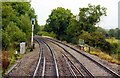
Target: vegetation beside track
<point>16,28</point>
<point>103,55</point>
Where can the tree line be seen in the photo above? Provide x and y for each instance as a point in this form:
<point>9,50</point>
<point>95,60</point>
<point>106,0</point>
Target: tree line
<point>63,25</point>
<point>16,24</point>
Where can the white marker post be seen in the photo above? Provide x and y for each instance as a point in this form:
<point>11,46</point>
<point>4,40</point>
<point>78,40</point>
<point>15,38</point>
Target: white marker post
<point>33,23</point>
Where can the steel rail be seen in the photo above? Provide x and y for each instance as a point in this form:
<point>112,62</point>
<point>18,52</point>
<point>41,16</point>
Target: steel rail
<point>51,50</point>
<point>39,60</point>
<point>71,70</point>
<point>77,69</point>
<point>43,70</point>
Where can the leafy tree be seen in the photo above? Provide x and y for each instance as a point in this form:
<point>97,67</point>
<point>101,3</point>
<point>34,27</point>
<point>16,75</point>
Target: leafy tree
<point>8,14</point>
<point>14,34</point>
<point>96,39</point>
<point>87,38</point>
<point>58,21</point>
<point>16,23</point>
<point>90,16</point>
<point>73,29</point>
<point>23,9</point>
<point>25,25</point>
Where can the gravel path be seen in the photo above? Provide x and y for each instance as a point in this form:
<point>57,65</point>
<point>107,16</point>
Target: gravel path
<point>27,64</point>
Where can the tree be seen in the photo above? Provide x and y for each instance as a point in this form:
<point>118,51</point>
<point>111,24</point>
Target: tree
<point>96,39</point>
<point>8,14</point>
<point>87,38</point>
<point>12,35</point>
<point>58,21</point>
<point>73,31</point>
<point>16,23</point>
<point>90,16</point>
<point>26,25</point>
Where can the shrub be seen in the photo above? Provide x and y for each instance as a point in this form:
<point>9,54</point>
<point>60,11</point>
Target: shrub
<point>5,61</point>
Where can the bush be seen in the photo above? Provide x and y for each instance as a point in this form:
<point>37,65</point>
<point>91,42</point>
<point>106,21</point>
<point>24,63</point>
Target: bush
<point>12,36</point>
<point>5,61</point>
<point>96,39</point>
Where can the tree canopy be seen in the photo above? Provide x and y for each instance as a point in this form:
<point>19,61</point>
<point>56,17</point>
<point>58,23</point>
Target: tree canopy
<point>16,23</point>
<point>64,24</point>
<point>90,16</point>
<point>58,21</point>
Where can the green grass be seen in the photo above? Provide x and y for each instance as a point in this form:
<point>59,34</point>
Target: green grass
<point>102,55</point>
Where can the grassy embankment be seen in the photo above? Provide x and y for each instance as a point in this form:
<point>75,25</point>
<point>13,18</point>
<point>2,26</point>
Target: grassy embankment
<point>113,58</point>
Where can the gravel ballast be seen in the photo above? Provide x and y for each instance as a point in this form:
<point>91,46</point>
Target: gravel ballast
<point>26,65</point>
<point>112,66</point>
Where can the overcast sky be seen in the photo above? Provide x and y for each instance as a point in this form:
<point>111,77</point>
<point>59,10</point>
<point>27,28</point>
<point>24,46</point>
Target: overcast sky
<point>43,9</point>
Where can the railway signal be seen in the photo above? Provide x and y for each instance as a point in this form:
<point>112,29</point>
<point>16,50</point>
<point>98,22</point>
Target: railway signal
<point>33,23</point>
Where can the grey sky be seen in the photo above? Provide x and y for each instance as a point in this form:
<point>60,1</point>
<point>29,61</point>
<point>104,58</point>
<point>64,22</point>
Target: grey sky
<point>43,9</point>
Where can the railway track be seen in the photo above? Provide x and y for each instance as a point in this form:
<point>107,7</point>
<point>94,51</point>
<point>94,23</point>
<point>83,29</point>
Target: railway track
<point>112,73</point>
<point>76,70</point>
<point>47,65</point>
<point>72,68</point>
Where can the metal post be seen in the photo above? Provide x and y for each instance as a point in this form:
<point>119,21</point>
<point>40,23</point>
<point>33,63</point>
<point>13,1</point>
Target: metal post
<point>32,35</point>
<point>89,49</point>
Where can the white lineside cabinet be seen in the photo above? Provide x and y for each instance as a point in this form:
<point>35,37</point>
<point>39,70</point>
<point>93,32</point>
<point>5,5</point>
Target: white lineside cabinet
<point>22,48</point>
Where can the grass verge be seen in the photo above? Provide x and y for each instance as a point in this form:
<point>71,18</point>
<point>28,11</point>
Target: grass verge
<point>102,55</point>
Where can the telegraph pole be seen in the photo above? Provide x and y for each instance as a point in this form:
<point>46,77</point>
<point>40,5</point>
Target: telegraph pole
<point>33,23</point>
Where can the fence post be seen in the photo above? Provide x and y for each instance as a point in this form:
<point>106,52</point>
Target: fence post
<point>89,49</point>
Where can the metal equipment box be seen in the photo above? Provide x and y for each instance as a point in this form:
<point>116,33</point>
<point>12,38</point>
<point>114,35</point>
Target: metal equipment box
<point>22,48</point>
